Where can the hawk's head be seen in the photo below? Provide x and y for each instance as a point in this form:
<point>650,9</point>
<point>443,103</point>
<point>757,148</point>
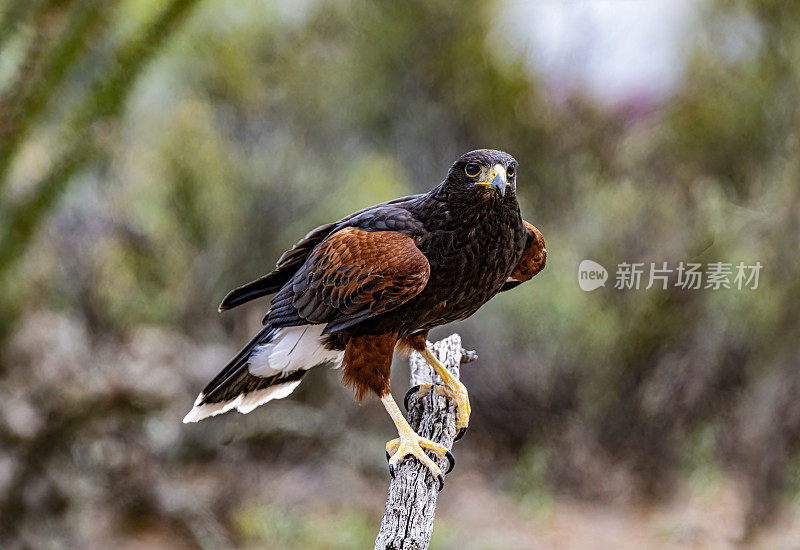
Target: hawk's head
<point>484,173</point>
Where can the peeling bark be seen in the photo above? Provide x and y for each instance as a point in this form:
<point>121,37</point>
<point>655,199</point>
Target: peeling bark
<point>411,505</point>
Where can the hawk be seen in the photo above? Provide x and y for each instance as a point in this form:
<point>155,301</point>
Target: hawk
<point>352,292</point>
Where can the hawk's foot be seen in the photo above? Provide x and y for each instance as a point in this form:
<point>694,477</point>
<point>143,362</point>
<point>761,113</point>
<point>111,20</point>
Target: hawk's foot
<point>421,390</point>
<point>458,393</point>
<point>415,445</point>
<point>411,443</point>
<point>453,389</point>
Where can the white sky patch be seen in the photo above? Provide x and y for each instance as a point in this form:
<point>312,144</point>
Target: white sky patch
<point>613,48</point>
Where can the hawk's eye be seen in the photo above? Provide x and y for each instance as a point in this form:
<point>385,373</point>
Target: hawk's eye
<point>510,172</point>
<point>473,169</point>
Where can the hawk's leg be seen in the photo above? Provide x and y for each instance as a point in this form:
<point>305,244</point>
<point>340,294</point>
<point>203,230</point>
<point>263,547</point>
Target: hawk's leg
<point>453,389</point>
<point>409,443</point>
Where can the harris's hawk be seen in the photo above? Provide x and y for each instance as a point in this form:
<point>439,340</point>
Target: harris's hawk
<point>352,292</point>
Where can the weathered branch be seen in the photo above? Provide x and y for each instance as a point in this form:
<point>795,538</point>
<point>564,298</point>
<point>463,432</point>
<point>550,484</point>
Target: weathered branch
<point>410,507</point>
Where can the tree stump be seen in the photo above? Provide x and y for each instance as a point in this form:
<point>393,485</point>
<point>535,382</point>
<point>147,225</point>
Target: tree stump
<point>410,507</point>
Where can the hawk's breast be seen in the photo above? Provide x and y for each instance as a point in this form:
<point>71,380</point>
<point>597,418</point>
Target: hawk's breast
<point>469,265</point>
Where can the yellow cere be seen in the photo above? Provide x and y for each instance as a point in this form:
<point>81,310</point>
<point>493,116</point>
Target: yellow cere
<point>496,169</point>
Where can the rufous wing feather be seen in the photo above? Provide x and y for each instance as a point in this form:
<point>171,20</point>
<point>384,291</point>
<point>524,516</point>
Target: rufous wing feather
<point>533,259</point>
<point>353,275</point>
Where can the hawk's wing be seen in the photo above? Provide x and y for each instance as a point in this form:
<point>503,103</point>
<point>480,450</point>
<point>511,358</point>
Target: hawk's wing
<point>287,265</point>
<point>380,217</point>
<point>533,259</point>
<point>350,276</point>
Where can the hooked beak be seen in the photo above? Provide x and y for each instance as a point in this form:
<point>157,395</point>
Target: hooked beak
<point>498,179</point>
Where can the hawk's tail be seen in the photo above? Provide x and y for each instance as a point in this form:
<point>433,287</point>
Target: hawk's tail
<point>269,367</point>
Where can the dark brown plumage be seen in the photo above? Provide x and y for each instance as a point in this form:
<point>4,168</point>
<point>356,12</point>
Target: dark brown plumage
<point>533,259</point>
<point>352,291</point>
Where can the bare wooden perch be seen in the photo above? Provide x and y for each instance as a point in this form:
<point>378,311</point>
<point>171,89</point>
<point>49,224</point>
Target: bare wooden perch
<point>410,507</point>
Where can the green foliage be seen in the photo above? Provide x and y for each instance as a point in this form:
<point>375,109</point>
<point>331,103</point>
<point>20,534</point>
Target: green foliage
<point>270,526</point>
<point>149,162</point>
<point>698,459</point>
<point>103,102</point>
<point>530,480</point>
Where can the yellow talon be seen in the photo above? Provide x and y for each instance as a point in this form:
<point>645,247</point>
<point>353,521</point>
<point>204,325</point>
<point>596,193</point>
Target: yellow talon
<point>453,389</point>
<point>392,446</point>
<point>410,443</point>
<point>458,393</point>
<point>414,444</point>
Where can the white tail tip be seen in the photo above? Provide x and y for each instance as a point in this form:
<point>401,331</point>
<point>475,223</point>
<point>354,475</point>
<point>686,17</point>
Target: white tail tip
<point>244,403</point>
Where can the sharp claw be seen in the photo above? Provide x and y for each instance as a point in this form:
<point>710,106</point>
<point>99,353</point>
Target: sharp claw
<point>452,460</point>
<point>440,477</point>
<point>391,470</point>
<point>460,434</point>
<point>409,393</point>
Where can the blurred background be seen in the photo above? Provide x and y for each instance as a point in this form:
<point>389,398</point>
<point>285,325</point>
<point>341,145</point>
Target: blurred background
<point>155,154</point>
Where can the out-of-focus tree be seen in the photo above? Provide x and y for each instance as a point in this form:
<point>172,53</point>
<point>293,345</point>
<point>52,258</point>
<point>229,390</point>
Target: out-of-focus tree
<point>196,160</point>
<point>57,44</point>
